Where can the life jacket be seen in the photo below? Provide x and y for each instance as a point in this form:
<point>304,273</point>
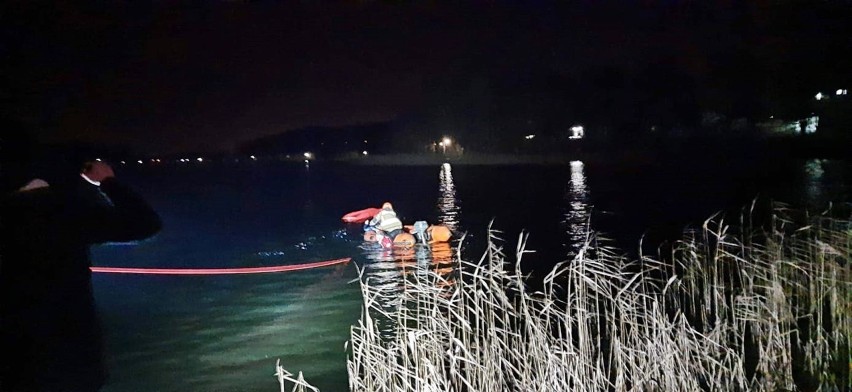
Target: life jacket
<point>387,221</point>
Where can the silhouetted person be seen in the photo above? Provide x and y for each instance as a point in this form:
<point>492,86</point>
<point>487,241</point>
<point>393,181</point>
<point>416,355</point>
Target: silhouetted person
<point>50,336</point>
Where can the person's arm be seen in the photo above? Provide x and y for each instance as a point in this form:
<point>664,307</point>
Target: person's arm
<point>129,218</point>
<point>376,219</point>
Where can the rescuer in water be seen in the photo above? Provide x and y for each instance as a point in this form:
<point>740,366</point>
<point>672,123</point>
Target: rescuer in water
<point>387,222</point>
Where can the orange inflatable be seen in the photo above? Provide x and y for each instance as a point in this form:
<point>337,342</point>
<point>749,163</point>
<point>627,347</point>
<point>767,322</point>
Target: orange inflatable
<point>404,240</point>
<point>439,233</point>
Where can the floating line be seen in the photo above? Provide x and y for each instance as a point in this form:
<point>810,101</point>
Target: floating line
<point>219,271</point>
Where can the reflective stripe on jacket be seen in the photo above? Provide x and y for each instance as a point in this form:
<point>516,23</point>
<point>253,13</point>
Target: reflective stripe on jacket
<point>386,221</point>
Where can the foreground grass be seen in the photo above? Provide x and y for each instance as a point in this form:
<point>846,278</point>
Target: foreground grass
<point>728,308</point>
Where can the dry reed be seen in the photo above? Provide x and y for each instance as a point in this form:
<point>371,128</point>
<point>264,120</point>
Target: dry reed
<point>757,310</point>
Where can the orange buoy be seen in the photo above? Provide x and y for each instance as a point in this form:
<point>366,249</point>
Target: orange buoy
<point>440,233</point>
<point>404,240</point>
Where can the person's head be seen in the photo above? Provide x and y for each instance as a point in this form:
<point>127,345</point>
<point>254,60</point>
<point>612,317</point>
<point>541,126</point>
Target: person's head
<point>387,206</point>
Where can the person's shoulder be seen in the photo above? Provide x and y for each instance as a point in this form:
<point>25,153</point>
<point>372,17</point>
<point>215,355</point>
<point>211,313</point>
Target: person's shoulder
<point>39,200</point>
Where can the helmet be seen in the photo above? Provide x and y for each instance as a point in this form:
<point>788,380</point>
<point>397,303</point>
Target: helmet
<point>387,206</point>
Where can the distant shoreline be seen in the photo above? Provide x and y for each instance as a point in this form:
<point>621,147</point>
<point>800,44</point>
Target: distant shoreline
<point>639,154</point>
<point>427,159</point>
<point>501,159</point>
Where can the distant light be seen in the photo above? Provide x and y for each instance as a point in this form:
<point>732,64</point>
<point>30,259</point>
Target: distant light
<point>364,152</point>
<point>308,155</point>
<point>441,144</point>
<point>447,141</point>
<point>307,161</point>
<point>840,91</point>
<point>99,159</point>
<point>577,132</point>
<point>139,161</point>
<point>200,159</point>
<point>254,158</point>
<point>529,137</point>
<point>818,96</point>
<point>365,141</point>
<point>153,160</point>
<point>771,116</point>
<point>123,162</point>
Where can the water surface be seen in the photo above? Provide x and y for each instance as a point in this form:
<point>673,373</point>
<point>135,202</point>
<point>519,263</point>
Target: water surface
<point>224,333</point>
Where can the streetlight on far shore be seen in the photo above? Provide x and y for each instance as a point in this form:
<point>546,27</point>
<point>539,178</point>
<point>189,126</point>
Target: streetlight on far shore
<point>446,142</point>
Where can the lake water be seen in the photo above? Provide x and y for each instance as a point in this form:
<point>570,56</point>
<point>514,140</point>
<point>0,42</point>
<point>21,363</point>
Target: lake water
<point>225,333</point>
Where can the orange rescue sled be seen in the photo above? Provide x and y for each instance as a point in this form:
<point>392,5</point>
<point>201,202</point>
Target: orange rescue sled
<point>361,216</point>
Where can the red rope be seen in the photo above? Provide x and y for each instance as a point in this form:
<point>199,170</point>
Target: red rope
<point>219,271</point>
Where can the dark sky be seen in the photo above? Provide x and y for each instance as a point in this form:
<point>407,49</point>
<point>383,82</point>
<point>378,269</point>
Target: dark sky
<point>162,77</point>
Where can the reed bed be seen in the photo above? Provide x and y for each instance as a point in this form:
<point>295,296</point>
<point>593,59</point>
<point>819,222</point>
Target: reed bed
<point>728,308</point>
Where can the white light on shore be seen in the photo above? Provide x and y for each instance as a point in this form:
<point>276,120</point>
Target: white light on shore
<point>308,155</point>
<point>200,159</point>
<point>254,158</point>
<point>364,152</point>
<point>139,161</point>
<point>818,96</point>
<point>577,132</point>
<point>529,137</point>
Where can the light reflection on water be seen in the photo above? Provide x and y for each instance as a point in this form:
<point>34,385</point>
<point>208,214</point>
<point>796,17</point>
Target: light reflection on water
<point>225,333</point>
<point>575,219</point>
<point>448,204</point>
<point>387,270</point>
<point>814,172</point>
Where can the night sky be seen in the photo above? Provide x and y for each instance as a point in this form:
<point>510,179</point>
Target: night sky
<point>205,76</point>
